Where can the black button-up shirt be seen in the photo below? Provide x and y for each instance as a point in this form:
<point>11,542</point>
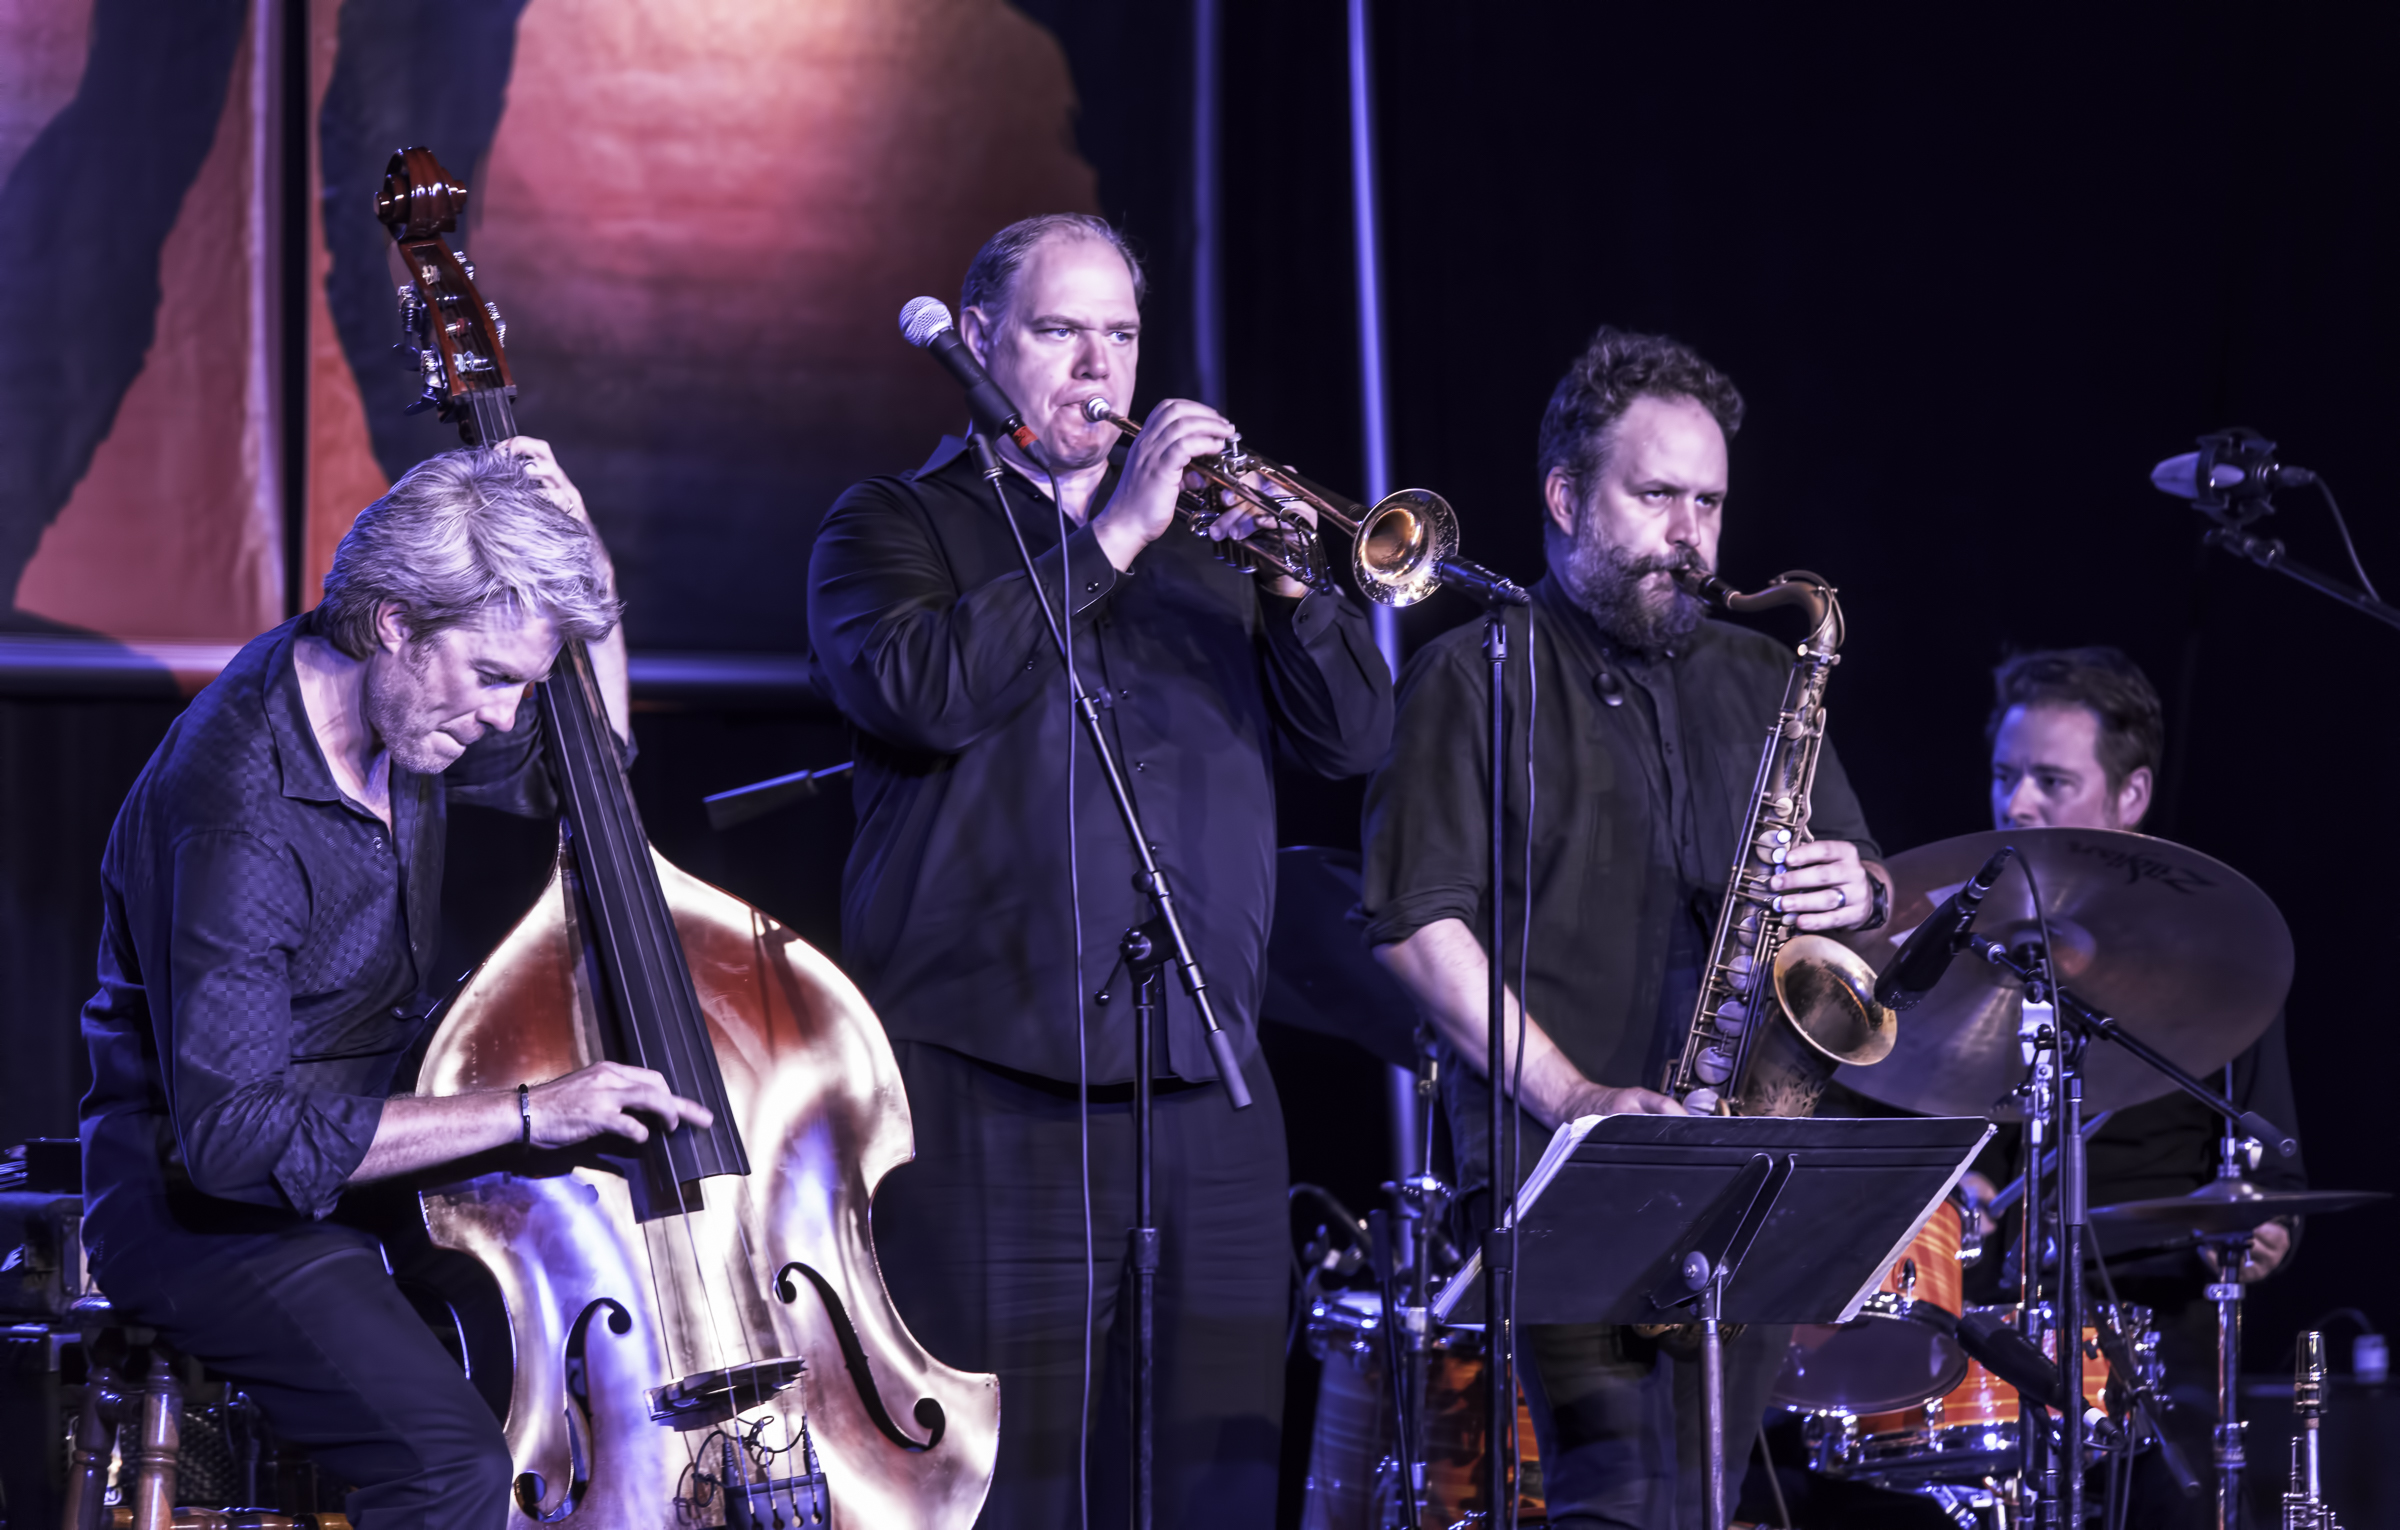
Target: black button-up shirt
<point>958,894</point>
<point>1636,807</point>
<point>263,955</point>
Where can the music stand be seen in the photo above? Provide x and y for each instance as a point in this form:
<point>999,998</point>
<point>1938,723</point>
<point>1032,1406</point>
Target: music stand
<point>1664,1219</point>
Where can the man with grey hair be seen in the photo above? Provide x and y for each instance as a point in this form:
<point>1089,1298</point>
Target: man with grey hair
<point>1647,723</point>
<point>271,893</point>
<point>991,884</point>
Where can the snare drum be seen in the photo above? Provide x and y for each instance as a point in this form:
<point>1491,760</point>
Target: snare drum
<point>1888,1356</point>
<point>1351,1476</point>
<point>1965,1435</point>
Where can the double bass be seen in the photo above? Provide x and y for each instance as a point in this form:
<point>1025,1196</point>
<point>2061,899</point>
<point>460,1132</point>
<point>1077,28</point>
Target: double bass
<point>701,1333</point>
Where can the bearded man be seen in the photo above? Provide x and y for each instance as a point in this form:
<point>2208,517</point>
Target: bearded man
<point>272,894</point>
<point>1646,724</point>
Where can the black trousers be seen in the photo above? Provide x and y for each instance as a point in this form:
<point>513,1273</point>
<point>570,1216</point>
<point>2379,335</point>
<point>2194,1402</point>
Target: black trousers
<point>1618,1422</point>
<point>981,1240</point>
<point>306,1320</point>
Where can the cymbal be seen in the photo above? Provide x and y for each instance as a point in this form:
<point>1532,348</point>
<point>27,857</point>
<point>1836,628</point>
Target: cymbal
<point>2187,953</point>
<point>2226,1205</point>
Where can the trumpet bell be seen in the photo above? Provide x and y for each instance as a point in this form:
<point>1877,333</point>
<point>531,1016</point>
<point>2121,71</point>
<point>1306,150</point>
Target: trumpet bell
<point>1397,554</point>
<point>1829,991</point>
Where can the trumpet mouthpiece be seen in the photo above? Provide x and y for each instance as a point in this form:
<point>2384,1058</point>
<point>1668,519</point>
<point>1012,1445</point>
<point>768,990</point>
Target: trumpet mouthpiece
<point>1096,409</point>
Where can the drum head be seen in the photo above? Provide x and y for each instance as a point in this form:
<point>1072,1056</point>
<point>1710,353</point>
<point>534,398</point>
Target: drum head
<point>1873,1364</point>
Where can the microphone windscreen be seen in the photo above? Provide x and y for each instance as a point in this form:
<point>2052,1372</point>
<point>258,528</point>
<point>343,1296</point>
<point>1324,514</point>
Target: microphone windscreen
<point>923,319</point>
<point>2179,476</point>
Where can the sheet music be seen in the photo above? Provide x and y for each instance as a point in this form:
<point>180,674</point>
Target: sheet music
<point>1563,1144</point>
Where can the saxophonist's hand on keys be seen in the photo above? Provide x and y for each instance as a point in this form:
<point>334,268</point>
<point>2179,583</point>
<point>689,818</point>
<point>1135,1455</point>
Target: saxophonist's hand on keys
<point>1826,885</point>
<point>1600,1100</point>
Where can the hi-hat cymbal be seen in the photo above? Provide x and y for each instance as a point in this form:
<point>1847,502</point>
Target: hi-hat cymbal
<point>2226,1205</point>
<point>2183,950</point>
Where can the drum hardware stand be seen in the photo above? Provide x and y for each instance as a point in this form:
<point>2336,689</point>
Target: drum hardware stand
<point>2233,1252</point>
<point>2028,965</point>
<point>1404,1260</point>
<point>1403,1368</point>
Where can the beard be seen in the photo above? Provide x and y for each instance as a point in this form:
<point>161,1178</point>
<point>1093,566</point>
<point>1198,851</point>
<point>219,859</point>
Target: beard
<point>1607,582</point>
<point>397,710</point>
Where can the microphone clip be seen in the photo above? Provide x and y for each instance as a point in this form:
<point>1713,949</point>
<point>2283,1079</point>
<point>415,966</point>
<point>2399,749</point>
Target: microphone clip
<point>2235,476</point>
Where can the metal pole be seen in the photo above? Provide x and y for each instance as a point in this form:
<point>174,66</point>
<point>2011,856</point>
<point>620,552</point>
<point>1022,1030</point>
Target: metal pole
<point>2071,1212</point>
<point>1208,245</point>
<point>1375,414</point>
<point>1366,244</point>
<point>263,379</point>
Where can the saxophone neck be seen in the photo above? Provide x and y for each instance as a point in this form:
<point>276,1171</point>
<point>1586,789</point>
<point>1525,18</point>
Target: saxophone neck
<point>1796,587</point>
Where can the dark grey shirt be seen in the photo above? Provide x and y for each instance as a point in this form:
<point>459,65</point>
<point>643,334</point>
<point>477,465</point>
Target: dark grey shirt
<point>957,904</point>
<point>263,955</point>
<point>1636,807</point>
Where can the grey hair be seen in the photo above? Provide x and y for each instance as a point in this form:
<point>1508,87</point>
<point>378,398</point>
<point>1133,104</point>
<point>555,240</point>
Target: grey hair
<point>458,535</point>
<point>992,276</point>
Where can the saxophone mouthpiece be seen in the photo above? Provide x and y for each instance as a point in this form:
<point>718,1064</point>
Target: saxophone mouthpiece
<point>1699,583</point>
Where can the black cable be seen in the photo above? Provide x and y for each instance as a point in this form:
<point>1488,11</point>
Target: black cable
<point>1083,1049</point>
<point>1516,1090</point>
<point>1353,1226</point>
<point>2343,526</point>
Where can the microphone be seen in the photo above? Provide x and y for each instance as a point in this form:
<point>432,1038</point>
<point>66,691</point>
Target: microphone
<point>925,323</point>
<point>1481,585</point>
<point>2230,465</point>
<point>1926,954</point>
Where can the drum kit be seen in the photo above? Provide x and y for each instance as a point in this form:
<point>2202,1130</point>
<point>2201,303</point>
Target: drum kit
<point>2175,960</point>
<point>2198,961</point>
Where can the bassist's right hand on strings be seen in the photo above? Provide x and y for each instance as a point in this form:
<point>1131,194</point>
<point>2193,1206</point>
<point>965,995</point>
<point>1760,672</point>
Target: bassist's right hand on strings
<point>608,1098</point>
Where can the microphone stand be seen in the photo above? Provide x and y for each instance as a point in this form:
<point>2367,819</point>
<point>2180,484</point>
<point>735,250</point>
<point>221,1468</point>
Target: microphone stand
<point>1146,949</point>
<point>1499,1242</point>
<point>1152,879</point>
<point>2232,533</point>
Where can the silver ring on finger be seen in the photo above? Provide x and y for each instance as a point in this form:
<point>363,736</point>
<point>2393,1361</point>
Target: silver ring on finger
<point>1841,898</point>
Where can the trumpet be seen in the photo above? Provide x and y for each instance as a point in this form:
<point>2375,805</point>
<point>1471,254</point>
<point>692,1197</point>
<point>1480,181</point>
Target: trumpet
<point>1402,548</point>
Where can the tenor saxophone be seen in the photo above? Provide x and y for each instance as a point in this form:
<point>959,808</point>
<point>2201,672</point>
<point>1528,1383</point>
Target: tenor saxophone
<point>1778,1010</point>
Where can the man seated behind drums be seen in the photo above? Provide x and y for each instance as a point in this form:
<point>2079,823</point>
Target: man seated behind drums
<point>2076,736</point>
<point>271,909</point>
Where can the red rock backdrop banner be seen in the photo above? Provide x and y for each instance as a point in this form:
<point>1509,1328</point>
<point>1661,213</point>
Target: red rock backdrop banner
<point>699,218</point>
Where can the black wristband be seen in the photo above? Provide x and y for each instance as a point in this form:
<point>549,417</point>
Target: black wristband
<point>525,1112</point>
<point>1882,912</point>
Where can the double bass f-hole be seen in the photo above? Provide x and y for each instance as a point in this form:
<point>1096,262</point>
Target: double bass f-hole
<point>529,1486</point>
<point>854,1356</point>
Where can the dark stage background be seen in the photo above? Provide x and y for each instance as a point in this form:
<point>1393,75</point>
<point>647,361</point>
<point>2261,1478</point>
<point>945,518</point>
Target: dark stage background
<point>1974,277</point>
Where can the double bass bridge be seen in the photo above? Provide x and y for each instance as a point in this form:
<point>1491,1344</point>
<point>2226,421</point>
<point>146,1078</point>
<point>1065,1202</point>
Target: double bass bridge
<point>713,1396</point>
